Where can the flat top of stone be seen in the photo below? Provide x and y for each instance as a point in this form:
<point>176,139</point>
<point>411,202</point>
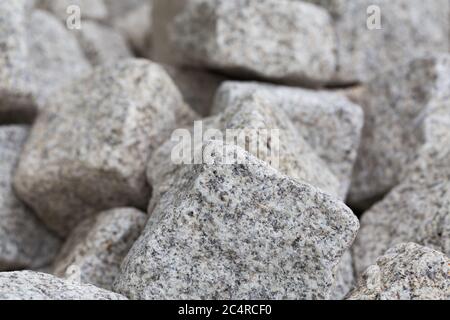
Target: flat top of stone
<point>29,285</point>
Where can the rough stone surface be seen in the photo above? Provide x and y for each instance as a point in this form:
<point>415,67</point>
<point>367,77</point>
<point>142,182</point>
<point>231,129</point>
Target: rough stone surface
<point>406,272</point>
<point>344,278</point>
<point>239,231</point>
<point>88,152</point>
<point>328,121</point>
<point>98,245</point>
<point>55,58</point>
<point>29,285</point>
<point>409,28</point>
<point>90,9</point>
<point>16,84</point>
<point>417,210</point>
<point>36,61</point>
<point>24,241</point>
<point>249,124</point>
<point>197,86</point>
<point>101,44</point>
<point>404,109</point>
<point>273,39</point>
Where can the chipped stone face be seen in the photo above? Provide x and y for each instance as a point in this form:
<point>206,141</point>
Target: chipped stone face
<point>24,241</point>
<point>55,58</point>
<point>405,272</point>
<point>90,9</point>
<point>249,124</point>
<point>257,38</point>
<point>328,121</point>
<point>101,44</point>
<point>197,86</point>
<point>98,245</point>
<point>405,33</point>
<point>404,109</point>
<point>29,285</point>
<point>239,231</point>
<point>16,84</point>
<point>88,152</point>
<point>417,210</point>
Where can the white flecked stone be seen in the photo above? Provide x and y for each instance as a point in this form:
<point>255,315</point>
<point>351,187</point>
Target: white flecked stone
<point>409,28</point>
<point>249,123</point>
<point>328,121</point>
<point>29,285</point>
<point>405,272</point>
<point>98,245</point>
<point>272,39</point>
<point>24,241</point>
<point>16,84</point>
<point>41,60</point>
<point>88,152</point>
<point>404,109</point>
<point>239,231</point>
<point>344,277</point>
<point>417,210</point>
<point>55,58</point>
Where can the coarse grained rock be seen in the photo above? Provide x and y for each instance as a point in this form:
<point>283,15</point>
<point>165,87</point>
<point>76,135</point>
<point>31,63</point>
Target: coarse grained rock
<point>39,61</point>
<point>88,152</point>
<point>256,126</point>
<point>102,44</point>
<point>408,28</point>
<point>406,272</point>
<point>417,210</point>
<point>197,86</point>
<point>16,84</point>
<point>98,245</point>
<point>344,277</point>
<point>24,241</point>
<point>328,121</point>
<point>30,285</point>
<point>254,114</point>
<point>89,9</point>
<point>55,58</point>
<point>404,109</point>
<point>238,231</point>
<point>278,40</point>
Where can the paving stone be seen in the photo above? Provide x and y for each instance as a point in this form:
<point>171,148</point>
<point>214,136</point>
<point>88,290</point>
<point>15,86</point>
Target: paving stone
<point>88,152</point>
<point>239,231</point>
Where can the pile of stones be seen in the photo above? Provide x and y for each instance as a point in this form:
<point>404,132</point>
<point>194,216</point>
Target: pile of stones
<point>94,205</point>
